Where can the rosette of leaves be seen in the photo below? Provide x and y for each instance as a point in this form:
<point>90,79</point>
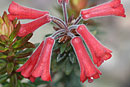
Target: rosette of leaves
<point>14,51</point>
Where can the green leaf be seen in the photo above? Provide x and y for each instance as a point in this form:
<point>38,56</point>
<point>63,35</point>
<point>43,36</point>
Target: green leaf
<point>2,55</point>
<point>3,71</point>
<point>24,53</point>
<point>22,41</point>
<point>47,35</point>
<point>3,49</point>
<point>61,57</point>
<point>27,45</point>
<point>21,60</point>
<point>3,78</point>
<point>68,68</point>
<point>10,67</point>
<point>15,32</point>
<point>14,80</point>
<point>63,47</point>
<point>2,64</point>
<point>71,56</point>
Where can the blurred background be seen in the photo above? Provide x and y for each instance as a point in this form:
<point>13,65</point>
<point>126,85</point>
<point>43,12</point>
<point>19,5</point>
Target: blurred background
<point>116,36</point>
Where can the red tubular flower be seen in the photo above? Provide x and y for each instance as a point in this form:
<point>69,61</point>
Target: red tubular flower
<point>43,67</point>
<point>28,67</point>
<point>111,8</point>
<point>98,51</point>
<point>32,26</point>
<point>87,68</point>
<point>21,12</point>
<point>60,1</point>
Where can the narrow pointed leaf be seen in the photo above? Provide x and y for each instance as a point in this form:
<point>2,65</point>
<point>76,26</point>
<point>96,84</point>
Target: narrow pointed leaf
<point>61,57</point>
<point>22,41</point>
<point>3,78</point>
<point>10,67</point>
<point>15,32</point>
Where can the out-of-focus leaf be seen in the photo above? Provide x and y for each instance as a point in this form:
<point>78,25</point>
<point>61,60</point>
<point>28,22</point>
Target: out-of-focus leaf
<point>3,49</point>
<point>3,71</point>
<point>61,57</point>
<point>68,68</point>
<point>21,60</point>
<point>6,85</point>
<point>63,47</point>
<point>2,55</point>
<point>10,67</point>
<point>3,78</point>
<point>56,46</point>
<point>2,64</point>
<point>28,85</point>
<point>71,80</point>
<point>22,41</point>
<point>72,57</point>
<point>27,45</point>
<point>15,32</point>
<point>14,80</point>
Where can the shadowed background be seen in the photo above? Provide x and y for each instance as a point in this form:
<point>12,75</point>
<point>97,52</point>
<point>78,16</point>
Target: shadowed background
<point>116,71</point>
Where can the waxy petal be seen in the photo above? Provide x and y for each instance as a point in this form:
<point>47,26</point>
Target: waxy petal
<point>87,68</point>
<point>111,8</point>
<point>43,67</point>
<point>20,12</point>
<point>32,26</point>
<point>28,67</point>
<point>98,51</point>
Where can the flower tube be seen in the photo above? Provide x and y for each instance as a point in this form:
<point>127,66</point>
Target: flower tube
<point>98,51</point>
<point>32,26</point>
<point>111,8</point>
<point>43,67</point>
<point>28,67</point>
<point>20,12</point>
<point>87,68</point>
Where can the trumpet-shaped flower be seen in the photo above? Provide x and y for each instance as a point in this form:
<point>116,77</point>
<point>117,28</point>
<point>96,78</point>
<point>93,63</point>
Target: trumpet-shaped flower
<point>21,12</point>
<point>111,8</point>
<point>87,68</point>
<point>38,64</point>
<point>98,51</point>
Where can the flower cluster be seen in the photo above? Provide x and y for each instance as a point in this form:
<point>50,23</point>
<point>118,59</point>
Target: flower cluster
<point>38,64</point>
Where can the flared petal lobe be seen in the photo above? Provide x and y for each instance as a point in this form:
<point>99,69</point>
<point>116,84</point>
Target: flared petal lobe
<point>21,12</point>
<point>87,68</point>
<point>29,66</point>
<point>43,67</point>
<point>32,26</point>
<point>60,1</point>
<point>98,51</point>
<point>111,8</point>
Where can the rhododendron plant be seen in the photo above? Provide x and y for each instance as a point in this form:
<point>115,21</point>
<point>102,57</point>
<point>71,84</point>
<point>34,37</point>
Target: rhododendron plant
<point>73,32</point>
